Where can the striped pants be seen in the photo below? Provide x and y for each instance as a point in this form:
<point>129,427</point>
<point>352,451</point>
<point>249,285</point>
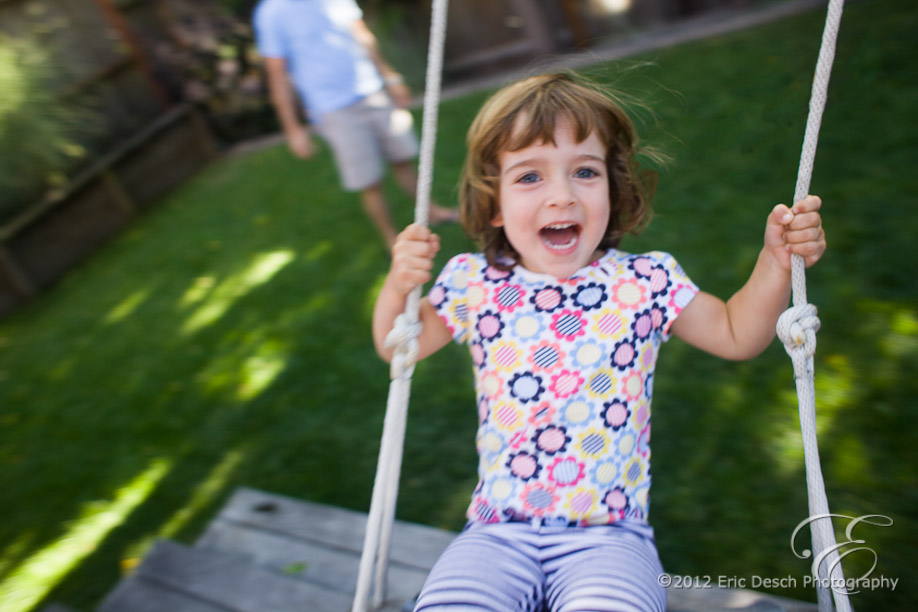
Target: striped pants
<point>512,567</point>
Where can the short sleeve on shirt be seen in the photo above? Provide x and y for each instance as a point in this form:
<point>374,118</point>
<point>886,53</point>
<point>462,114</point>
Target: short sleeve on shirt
<point>268,37</point>
<point>449,296</point>
<point>670,287</point>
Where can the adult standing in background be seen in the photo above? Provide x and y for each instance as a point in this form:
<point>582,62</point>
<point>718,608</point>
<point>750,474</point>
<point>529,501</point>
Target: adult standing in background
<point>353,99</point>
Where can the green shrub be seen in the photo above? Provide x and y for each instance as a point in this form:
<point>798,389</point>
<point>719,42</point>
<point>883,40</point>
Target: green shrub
<point>39,128</point>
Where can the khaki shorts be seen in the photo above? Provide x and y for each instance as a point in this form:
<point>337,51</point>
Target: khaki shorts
<point>365,135</point>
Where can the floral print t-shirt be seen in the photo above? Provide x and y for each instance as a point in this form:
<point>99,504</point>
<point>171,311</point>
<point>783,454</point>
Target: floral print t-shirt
<point>563,381</point>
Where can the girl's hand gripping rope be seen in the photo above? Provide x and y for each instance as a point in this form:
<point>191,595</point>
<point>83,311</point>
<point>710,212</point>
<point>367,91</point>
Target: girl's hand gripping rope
<point>412,258</point>
<point>797,230</point>
<point>412,265</point>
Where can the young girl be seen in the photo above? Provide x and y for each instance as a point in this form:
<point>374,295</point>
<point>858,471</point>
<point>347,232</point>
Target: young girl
<point>563,331</point>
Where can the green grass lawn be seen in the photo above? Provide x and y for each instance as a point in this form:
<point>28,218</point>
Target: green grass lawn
<point>224,339</point>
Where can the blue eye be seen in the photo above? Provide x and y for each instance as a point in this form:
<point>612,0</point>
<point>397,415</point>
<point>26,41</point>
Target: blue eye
<point>529,177</point>
<point>586,173</point>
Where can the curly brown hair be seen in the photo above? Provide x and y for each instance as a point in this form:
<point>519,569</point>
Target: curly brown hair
<point>544,100</point>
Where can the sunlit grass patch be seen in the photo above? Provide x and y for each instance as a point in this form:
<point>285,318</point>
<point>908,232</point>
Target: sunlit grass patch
<point>27,584</point>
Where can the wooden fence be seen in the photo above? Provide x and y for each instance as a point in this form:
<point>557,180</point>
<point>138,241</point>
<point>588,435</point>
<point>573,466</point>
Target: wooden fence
<point>150,143</point>
<point>41,244</point>
<point>490,35</point>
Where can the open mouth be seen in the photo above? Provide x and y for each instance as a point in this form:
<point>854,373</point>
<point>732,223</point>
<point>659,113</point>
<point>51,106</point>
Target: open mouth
<point>560,236</point>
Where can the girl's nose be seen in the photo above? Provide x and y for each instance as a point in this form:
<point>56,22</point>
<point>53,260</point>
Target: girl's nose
<point>560,194</point>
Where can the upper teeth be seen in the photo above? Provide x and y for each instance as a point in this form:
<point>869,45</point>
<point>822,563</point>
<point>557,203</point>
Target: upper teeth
<point>562,226</point>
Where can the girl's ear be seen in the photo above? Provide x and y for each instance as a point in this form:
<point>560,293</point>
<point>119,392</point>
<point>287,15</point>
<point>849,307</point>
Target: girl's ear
<point>498,220</point>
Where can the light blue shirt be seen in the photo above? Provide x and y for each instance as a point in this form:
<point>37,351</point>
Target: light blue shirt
<point>328,67</point>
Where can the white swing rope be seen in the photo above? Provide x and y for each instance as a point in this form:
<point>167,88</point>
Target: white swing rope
<point>797,329</point>
<point>404,339</point>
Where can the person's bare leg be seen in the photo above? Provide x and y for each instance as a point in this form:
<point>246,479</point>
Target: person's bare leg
<point>407,178</point>
<point>376,207</point>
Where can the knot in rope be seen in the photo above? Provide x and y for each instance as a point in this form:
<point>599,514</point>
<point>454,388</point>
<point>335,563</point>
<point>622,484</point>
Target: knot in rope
<point>403,337</point>
<point>797,327</point>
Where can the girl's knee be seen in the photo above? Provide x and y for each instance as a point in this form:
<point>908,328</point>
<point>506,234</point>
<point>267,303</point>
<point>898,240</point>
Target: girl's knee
<point>615,579</point>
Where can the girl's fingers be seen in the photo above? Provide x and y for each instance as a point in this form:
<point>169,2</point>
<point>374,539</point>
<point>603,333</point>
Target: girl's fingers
<point>808,204</point>
<point>805,220</point>
<point>810,234</point>
<point>810,247</point>
<point>414,249</point>
<point>781,215</point>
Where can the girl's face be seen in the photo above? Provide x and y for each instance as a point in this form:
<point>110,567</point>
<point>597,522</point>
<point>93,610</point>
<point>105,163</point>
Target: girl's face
<point>554,202</point>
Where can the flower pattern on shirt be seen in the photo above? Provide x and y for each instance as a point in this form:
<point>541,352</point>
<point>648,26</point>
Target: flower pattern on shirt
<point>563,377</point>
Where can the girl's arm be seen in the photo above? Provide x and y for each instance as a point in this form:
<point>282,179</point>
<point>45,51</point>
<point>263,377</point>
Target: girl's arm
<point>744,326</point>
<point>412,262</point>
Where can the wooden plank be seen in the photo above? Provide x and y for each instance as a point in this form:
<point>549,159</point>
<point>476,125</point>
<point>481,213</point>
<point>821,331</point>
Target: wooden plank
<point>104,73</point>
<point>135,594</point>
<point>18,278</point>
<point>412,545</point>
<point>338,570</point>
<point>136,141</point>
<point>237,586</point>
<point>298,559</point>
<point>118,194</point>
<point>335,536</point>
<point>47,248</point>
<point>167,159</point>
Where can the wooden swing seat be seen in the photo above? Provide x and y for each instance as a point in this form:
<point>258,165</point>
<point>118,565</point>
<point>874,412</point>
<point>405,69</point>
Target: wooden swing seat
<point>270,552</point>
